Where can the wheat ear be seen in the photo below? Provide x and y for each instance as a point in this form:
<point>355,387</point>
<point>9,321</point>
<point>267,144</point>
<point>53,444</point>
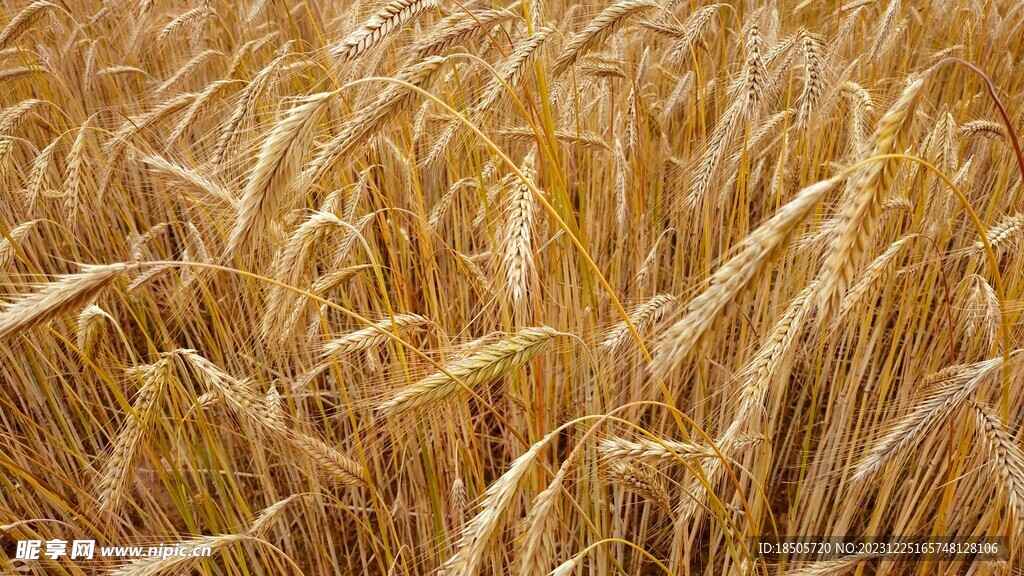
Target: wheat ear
<point>113,483</point>
<point>388,20</point>
<point>517,245</point>
<point>734,277</point>
<point>873,277</point>
<point>692,31</point>
<point>247,100</point>
<point>1002,233</point>
<point>14,238</point>
<point>949,390</point>
<point>538,548</point>
<point>642,317</point>
<point>599,29</point>
<point>1006,455</point>
<point>20,23</point>
<point>210,190</point>
<point>641,479</point>
<point>372,336</point>
<point>854,230</point>
<point>490,363</point>
<point>373,118</point>
<point>652,451</point>
<point>276,166</point>
<point>511,72</point>
<point>981,307</point>
<point>261,526</point>
<point>460,28</point>
<point>243,400</point>
<point>481,529</point>
<point>289,267</point>
<point>813,79</point>
<point>191,18</point>
<point>53,298</point>
<point>90,324</point>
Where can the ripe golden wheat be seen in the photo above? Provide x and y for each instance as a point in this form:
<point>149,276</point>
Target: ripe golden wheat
<point>423,287</point>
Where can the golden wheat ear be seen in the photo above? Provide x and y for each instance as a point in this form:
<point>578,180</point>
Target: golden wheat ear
<point>680,340</point>
<point>489,364</point>
<point>54,298</point>
<point>113,486</point>
<point>1006,456</point>
<point>276,167</point>
<point>945,393</point>
<point>381,25</point>
<point>23,21</point>
<point>600,29</point>
<point>478,533</point>
<point>854,233</point>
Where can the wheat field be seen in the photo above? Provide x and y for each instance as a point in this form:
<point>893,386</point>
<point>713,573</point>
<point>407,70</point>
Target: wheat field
<point>466,288</point>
